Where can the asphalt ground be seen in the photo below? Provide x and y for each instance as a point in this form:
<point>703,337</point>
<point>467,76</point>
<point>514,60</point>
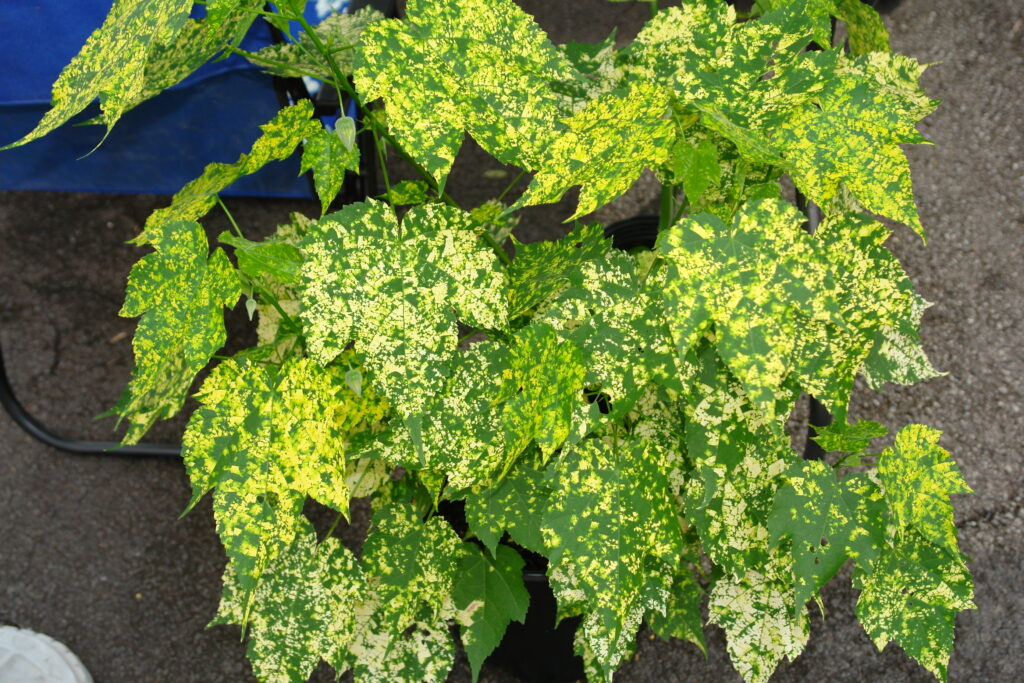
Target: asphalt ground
<point>91,548</point>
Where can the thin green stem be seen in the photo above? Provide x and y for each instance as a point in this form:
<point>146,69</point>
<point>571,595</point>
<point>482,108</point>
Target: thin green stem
<point>231,219</point>
<point>653,6</point>
<point>334,525</point>
<point>509,187</point>
<point>498,250</point>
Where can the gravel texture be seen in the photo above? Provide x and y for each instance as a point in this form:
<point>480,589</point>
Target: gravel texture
<point>91,548</point>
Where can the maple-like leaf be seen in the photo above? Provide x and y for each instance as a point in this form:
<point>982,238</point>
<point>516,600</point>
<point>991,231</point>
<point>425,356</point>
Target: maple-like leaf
<point>112,63</point>
<point>785,305</point>
<point>911,596</point>
<point>851,134</point>
<point>477,66</point>
<point>489,593</point>
<point>180,291</point>
<point>266,439</point>
<point>328,156</point>
<point>682,618</point>
<point>614,541</point>
<point>280,136</point>
<point>397,291</point>
<point>762,621</point>
<point>303,610</point>
<point>919,476</point>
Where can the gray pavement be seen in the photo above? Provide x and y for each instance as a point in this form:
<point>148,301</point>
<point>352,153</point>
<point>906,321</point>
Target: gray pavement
<point>92,552</point>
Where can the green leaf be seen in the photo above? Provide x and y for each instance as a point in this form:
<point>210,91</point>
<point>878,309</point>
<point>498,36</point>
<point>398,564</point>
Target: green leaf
<point>274,259</point>
<point>489,594</point>
<point>604,148</point>
<point>897,355</point>
<point>614,541</point>
<point>303,610</point>
<point>477,66</point>
<point>911,596</point>
<point>180,291</point>
<point>112,63</point>
<point>841,437</point>
<point>852,132</point>
<point>682,618</point>
<point>340,33</point>
<point>266,440</point>
<point>810,510</point>
<point>697,166</point>
<point>407,192</point>
<point>546,387</point>
<point>281,135</point>
<point>328,156</point>
<point>762,621</point>
<point>919,476</point>
<point>515,504</point>
<point>424,653</point>
<point>397,291</point>
<point>870,514</point>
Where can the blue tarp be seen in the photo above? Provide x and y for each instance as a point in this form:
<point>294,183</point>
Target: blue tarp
<point>156,147</point>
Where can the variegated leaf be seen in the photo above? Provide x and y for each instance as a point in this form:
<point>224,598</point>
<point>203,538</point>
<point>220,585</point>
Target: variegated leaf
<point>515,505</point>
<point>340,33</point>
<point>919,476</point>
<point>281,135</point>
<point>112,63</point>
<point>266,440</point>
<point>851,134</point>
<point>303,610</point>
<point>614,541</point>
<point>397,291</point>
<point>328,157</point>
<point>477,66</point>
<point>911,596</point>
<point>682,618</point>
<point>762,621</point>
<point>604,148</point>
<point>180,291</point>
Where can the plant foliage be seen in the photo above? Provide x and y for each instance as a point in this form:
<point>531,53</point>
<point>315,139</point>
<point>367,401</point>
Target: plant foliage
<point>620,414</point>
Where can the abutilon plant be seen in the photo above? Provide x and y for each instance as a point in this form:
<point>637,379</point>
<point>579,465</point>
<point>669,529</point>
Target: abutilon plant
<point>619,413</point>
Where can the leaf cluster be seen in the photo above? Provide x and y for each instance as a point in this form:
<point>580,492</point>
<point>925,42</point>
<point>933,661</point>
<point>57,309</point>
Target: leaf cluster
<point>619,414</point>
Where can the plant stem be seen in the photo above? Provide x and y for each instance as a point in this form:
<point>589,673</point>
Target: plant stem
<point>665,211</point>
<point>231,218</point>
<point>653,6</point>
<point>498,250</point>
<point>511,185</point>
<point>334,525</point>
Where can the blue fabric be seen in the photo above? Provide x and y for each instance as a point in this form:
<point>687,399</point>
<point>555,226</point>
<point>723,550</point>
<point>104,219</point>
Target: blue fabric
<point>158,146</point>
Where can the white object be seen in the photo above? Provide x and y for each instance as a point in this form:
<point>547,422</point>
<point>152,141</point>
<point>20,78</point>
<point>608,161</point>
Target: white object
<point>30,657</point>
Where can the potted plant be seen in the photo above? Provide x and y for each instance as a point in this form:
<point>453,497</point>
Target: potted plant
<point>617,413</point>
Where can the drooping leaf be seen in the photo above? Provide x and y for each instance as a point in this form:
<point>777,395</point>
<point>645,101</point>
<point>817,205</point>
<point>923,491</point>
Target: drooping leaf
<point>682,618</point>
<point>866,31</point>
<point>281,135</point>
<point>614,541</point>
<point>274,259</point>
<point>897,355</point>
<point>328,157</point>
<point>762,622</point>
<point>397,291</point>
<point>919,477</point>
<point>180,291</point>
<point>846,438</point>
<point>489,593</point>
<point>266,440</point>
<point>911,596</point>
<point>302,611</point>
<point>112,63</point>
<point>340,33</point>
<point>810,510</point>
<point>604,148</point>
<point>516,505</point>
